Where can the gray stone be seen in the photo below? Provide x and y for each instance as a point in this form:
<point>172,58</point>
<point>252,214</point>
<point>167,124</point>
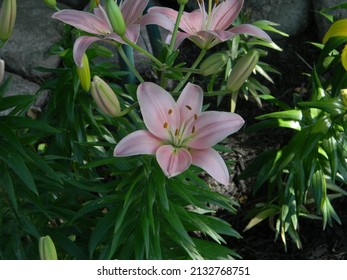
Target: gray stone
<point>34,34</point>
<point>292,15</point>
<point>76,4</point>
<point>19,86</point>
<point>322,23</point>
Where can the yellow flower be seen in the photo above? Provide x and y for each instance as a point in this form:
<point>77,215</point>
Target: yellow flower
<point>338,29</point>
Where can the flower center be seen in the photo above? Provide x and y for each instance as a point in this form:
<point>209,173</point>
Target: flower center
<point>180,136</point>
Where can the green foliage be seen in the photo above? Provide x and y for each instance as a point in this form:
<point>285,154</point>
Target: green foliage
<point>307,173</point>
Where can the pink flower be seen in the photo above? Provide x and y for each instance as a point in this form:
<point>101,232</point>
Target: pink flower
<point>208,30</point>
<point>179,134</point>
<point>98,24</point>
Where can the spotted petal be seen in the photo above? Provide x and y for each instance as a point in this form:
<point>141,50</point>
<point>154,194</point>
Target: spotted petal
<point>212,127</point>
<point>159,110</point>
<point>173,161</point>
<point>190,101</point>
<point>210,161</point>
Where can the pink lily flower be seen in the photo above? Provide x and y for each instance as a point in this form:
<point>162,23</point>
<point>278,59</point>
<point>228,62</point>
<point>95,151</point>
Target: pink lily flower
<point>208,30</point>
<point>179,134</point>
<point>98,24</point>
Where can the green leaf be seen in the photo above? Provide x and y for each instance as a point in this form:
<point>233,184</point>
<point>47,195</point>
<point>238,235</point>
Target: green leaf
<point>17,122</point>
<point>15,162</point>
<point>330,147</point>
<point>213,251</point>
<point>9,102</point>
<point>271,211</point>
<point>6,183</point>
<point>295,115</point>
<point>268,26</point>
<point>184,240</point>
<point>101,229</point>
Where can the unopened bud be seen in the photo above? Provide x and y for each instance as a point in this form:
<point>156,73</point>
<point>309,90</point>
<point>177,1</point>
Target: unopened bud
<point>242,70</point>
<point>105,97</point>
<point>47,249</point>
<point>213,64</point>
<point>7,18</point>
<point>83,72</point>
<point>51,3</point>
<point>116,18</point>
<point>102,51</point>
<point>2,70</point>
<point>343,96</point>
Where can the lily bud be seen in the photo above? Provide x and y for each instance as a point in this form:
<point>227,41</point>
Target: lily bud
<point>105,97</point>
<point>103,51</point>
<point>116,18</point>
<point>213,64</point>
<point>242,70</point>
<point>83,72</point>
<point>51,3</point>
<point>343,96</point>
<point>47,249</point>
<point>2,70</point>
<point>7,18</point>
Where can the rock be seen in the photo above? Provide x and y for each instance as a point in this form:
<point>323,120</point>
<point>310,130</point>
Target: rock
<point>18,86</point>
<point>34,34</point>
<point>322,23</point>
<point>75,4</point>
<point>292,15</point>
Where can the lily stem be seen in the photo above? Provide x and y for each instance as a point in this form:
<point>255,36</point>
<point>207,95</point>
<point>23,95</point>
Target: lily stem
<point>129,64</point>
<point>195,64</point>
<point>177,23</point>
<point>143,51</point>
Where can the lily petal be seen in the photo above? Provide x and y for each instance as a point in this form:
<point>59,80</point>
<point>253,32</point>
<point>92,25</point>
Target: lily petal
<point>170,13</point>
<point>159,110</point>
<point>140,142</point>
<point>212,127</point>
<point>133,9</point>
<point>338,28</point>
<point>158,19</point>
<point>84,21</point>
<point>81,45</point>
<point>251,30</point>
<point>224,14</point>
<point>173,161</point>
<point>190,101</point>
<point>193,21</point>
<point>210,161</point>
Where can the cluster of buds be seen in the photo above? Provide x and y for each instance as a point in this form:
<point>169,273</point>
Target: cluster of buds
<point>2,70</point>
<point>242,70</point>
<point>105,98</point>
<point>7,19</point>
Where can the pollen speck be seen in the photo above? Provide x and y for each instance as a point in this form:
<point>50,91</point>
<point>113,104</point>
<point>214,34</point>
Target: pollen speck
<point>193,129</point>
<point>188,107</point>
<point>195,116</point>
<point>170,111</point>
<point>176,132</point>
<point>166,125</point>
